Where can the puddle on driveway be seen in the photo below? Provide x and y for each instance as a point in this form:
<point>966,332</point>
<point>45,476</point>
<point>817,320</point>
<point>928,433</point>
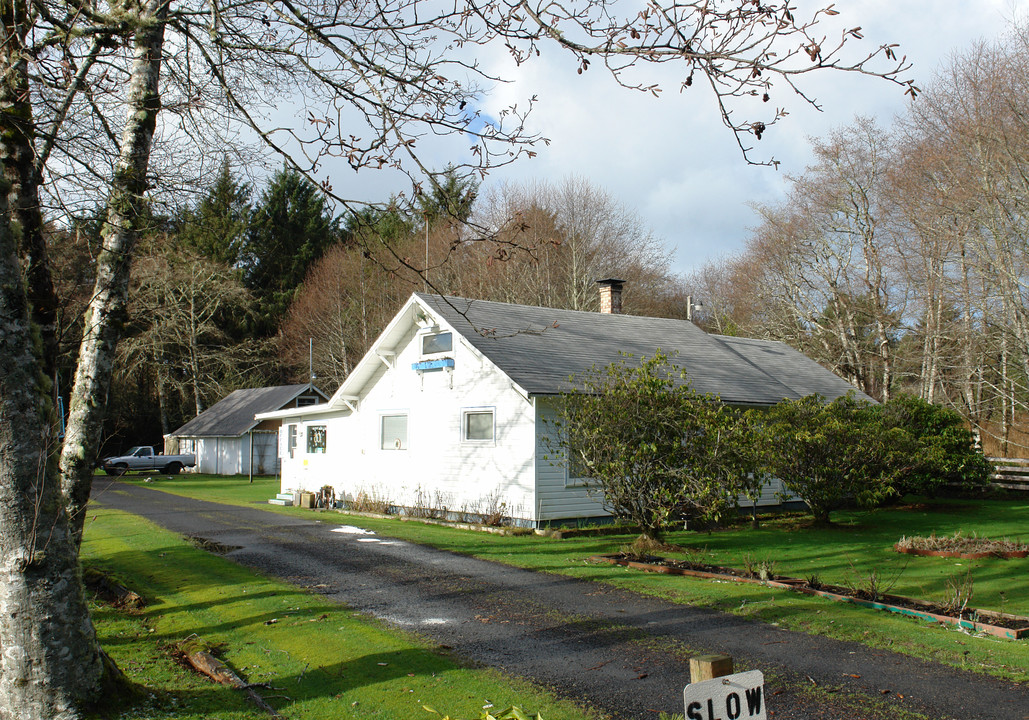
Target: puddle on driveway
<point>351,530</point>
<point>413,622</point>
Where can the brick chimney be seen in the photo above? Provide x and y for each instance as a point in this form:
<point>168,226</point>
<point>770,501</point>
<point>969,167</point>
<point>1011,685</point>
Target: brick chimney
<point>611,296</point>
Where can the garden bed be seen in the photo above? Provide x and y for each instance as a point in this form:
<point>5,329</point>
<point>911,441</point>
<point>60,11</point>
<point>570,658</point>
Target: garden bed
<point>963,555</point>
<point>961,546</point>
<point>1002,625</point>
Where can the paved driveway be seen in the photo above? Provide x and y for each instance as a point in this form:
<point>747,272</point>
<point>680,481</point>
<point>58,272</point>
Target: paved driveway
<point>623,653</point>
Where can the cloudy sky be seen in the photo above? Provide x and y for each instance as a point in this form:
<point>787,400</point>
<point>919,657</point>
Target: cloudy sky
<point>671,160</point>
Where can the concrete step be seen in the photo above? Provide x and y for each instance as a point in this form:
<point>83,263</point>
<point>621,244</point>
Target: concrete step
<point>285,502</point>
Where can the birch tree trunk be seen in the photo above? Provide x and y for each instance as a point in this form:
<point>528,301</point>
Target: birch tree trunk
<point>49,659</point>
<point>105,316</point>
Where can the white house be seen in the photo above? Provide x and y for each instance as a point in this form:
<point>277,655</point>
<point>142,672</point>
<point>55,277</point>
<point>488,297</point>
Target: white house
<point>448,406</point>
<point>226,438</point>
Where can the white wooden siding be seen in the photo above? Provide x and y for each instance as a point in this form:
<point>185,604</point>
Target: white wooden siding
<point>773,492</point>
<point>555,500</point>
<point>231,455</point>
<point>436,464</point>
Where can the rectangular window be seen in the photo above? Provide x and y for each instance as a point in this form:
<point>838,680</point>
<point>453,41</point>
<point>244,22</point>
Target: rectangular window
<point>477,425</point>
<point>291,439</point>
<point>578,473</point>
<point>316,439</point>
<point>394,432</point>
<point>437,343</point>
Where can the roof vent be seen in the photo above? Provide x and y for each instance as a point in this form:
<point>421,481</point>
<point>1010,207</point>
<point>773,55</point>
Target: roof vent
<point>611,296</point>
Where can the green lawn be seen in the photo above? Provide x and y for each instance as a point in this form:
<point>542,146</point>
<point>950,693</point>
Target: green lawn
<point>848,553</point>
<point>319,660</point>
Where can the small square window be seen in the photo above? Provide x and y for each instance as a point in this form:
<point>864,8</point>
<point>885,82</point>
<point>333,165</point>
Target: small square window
<point>437,343</point>
<point>394,432</point>
<point>477,425</point>
<point>316,439</point>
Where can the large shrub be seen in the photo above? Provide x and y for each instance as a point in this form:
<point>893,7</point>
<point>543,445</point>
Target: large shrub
<point>848,451</point>
<point>932,447</point>
<point>652,446</point>
<point>821,451</point>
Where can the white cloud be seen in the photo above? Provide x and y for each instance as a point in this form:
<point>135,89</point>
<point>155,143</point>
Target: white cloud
<point>670,158</point>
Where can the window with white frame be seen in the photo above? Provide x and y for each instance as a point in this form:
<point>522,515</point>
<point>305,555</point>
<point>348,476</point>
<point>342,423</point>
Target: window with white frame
<point>478,425</point>
<point>394,431</point>
<point>316,437</point>
<point>291,439</point>
<point>435,343</point>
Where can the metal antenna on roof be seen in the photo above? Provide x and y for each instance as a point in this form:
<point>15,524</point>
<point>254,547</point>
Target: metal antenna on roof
<point>310,360</point>
<point>691,306</point>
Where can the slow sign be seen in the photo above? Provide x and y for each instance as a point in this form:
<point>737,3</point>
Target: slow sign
<point>731,697</point>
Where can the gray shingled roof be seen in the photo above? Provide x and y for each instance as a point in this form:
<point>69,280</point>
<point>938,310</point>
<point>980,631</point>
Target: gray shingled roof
<point>541,348</point>
<point>233,415</point>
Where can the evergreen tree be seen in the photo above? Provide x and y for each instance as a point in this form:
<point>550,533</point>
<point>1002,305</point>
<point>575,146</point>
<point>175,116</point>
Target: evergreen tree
<point>451,198</point>
<point>290,228</point>
<point>373,225</point>
<point>216,228</point>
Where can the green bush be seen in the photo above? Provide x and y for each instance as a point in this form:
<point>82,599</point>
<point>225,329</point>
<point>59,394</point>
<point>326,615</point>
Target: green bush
<point>655,449</point>
<point>933,447</point>
<point>821,450</point>
<point>848,451</point>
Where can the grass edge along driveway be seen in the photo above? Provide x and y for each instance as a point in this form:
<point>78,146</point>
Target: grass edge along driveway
<point>856,551</point>
<point>319,659</point>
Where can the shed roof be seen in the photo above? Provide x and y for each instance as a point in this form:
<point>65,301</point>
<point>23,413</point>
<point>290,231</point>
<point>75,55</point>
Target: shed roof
<point>233,415</point>
<point>541,348</point>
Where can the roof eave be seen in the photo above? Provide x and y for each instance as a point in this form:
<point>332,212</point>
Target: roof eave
<point>321,409</point>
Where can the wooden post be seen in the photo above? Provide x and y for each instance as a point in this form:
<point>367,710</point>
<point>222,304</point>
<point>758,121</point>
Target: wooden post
<point>709,667</point>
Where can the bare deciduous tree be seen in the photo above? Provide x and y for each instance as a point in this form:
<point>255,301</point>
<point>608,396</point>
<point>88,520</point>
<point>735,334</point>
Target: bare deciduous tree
<point>105,92</point>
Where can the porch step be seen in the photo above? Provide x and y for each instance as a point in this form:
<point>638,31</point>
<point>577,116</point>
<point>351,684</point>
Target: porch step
<point>283,498</point>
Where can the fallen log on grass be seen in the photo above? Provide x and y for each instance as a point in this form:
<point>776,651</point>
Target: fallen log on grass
<point>197,654</point>
<point>111,591</point>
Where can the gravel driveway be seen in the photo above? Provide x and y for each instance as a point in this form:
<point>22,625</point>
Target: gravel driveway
<point>623,653</point>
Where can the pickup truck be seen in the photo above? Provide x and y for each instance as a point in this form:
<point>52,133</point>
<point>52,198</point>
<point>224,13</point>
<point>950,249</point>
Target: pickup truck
<point>142,457</point>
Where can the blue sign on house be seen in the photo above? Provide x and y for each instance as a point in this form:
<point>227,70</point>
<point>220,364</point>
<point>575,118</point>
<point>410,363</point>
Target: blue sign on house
<point>433,364</point>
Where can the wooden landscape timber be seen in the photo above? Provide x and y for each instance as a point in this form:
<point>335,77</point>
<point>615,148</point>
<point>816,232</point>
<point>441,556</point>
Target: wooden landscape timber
<point>1014,627</point>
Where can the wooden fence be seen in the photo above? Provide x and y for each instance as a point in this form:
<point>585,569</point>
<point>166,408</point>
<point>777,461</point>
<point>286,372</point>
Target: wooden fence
<point>1010,473</point>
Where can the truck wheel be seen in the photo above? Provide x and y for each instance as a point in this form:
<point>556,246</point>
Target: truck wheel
<point>172,469</point>
<point>117,470</point>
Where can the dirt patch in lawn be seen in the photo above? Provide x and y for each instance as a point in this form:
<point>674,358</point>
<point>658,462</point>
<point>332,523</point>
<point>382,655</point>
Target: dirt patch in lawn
<point>212,546</point>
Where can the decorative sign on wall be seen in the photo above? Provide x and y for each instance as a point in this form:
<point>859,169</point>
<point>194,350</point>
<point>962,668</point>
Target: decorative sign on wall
<point>427,365</point>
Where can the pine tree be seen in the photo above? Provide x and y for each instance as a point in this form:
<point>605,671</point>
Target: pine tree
<point>216,228</point>
<point>451,198</point>
<point>291,227</point>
